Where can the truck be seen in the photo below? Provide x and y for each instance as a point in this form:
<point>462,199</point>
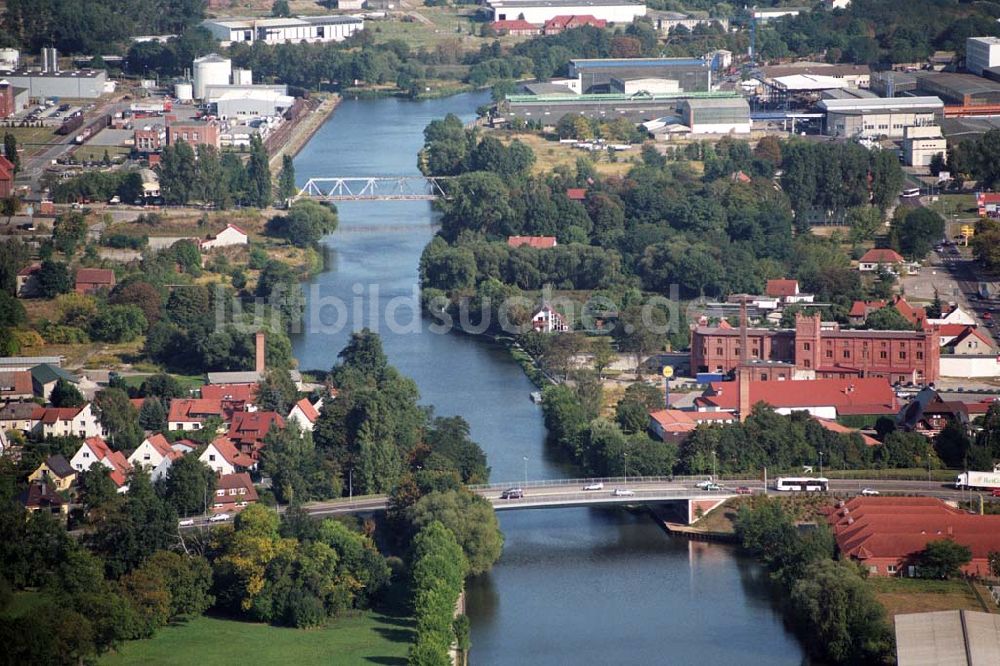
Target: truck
<point>149,107</point>
<point>979,480</point>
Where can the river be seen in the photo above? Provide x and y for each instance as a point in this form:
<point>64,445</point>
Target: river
<point>573,586</point>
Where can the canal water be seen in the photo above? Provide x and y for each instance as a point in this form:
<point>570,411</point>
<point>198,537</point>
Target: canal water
<point>574,586</point>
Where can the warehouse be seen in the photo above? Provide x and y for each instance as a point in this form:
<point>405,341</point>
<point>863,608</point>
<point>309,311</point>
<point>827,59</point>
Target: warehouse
<point>879,117</point>
<point>280,30</point>
<point>79,83</point>
<point>716,115</point>
<point>251,104</point>
<point>548,109</point>
<point>692,74</point>
<point>921,144</point>
<point>960,89</point>
<point>215,91</point>
<point>540,12</point>
<point>981,53</point>
<point>631,86</point>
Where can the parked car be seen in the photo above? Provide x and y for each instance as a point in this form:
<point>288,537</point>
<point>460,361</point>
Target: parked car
<point>512,493</point>
<point>623,492</point>
<point>869,492</point>
<point>594,486</point>
<point>187,522</point>
<point>996,492</point>
<point>744,490</point>
<point>219,518</point>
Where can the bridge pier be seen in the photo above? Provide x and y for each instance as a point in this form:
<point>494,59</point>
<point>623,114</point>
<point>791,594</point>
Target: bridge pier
<point>696,508</point>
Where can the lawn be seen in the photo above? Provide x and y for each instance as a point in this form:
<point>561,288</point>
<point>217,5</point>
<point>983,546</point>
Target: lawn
<point>366,638</point>
<point>915,595</point>
<point>550,154</point>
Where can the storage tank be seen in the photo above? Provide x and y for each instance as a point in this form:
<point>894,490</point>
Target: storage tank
<point>9,58</point>
<point>242,77</point>
<point>184,91</point>
<point>211,70</point>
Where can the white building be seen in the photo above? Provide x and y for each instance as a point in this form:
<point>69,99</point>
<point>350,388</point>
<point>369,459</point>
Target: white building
<point>887,116</point>
<point>305,414</point>
<point>280,30</point>
<point>152,452</point>
<point>540,11</point>
<point>231,235</point>
<point>630,86</point>
<point>921,144</point>
<point>727,115</point>
<point>243,103</point>
<point>763,16</point>
<point>956,316</point>
<point>222,456</point>
<point>981,53</point>
<point>212,69</point>
<point>70,421</point>
<point>96,450</point>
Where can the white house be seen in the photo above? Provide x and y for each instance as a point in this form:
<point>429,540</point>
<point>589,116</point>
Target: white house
<point>96,450</point>
<point>547,320</point>
<point>305,414</point>
<point>231,235</point>
<point>880,257</point>
<point>292,29</point>
<point>66,421</point>
<point>223,457</point>
<point>151,454</point>
<point>956,316</point>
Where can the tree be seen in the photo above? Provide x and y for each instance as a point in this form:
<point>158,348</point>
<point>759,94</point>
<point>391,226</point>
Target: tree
<point>305,224</point>
<point>118,323</point>
<point>177,172</point>
<point>141,294</point>
<point>286,179</point>
<point>152,415</point>
<point>888,318</point>
<point>259,174</point>
<point>189,486</point>
<point>604,354</point>
<point>65,394</point>
<point>119,417</point>
<point>162,385</point>
<point>280,9</point>
<point>469,517</point>
<point>53,278</point>
<point>918,230</point>
<point>449,440</point>
<point>942,558</point>
<point>96,487</point>
<point>297,470</point>
<point>277,392</point>
<point>10,151</point>
<point>188,579</point>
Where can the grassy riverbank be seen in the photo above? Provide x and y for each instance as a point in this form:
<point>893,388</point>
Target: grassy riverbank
<point>365,638</point>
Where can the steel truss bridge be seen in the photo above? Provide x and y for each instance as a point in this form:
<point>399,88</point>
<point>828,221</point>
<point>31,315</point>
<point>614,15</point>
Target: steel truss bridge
<point>375,188</point>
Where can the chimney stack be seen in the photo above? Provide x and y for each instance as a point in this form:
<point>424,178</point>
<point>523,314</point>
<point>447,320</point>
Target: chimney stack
<point>743,377</point>
<point>259,346</point>
<point>743,369</point>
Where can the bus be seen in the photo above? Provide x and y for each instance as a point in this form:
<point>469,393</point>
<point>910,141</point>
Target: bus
<point>910,192</point>
<point>806,483</point>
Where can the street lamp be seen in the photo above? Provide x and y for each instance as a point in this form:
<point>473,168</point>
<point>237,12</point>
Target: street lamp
<point>525,458</point>
<point>625,454</point>
<point>350,483</point>
<point>821,463</point>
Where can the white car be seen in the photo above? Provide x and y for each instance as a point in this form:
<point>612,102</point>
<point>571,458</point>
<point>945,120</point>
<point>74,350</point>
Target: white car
<point>703,485</point>
<point>869,491</point>
<point>219,518</point>
<point>187,522</point>
<point>623,492</point>
<point>594,486</point>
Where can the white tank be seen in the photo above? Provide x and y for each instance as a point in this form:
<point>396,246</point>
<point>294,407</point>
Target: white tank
<point>211,70</point>
<point>9,58</point>
<point>242,77</point>
<point>184,91</point>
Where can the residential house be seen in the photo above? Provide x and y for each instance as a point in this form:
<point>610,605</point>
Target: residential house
<point>230,236</point>
<point>63,421</point>
<point>861,309</point>
<point>222,456</point>
<point>824,398</point>
<point>877,258</point>
<point>16,386</point>
<point>948,333</point>
<point>675,425</point>
<point>192,413</point>
<point>305,414</point>
<point>971,342</point>
<point>152,452</point>
<point>538,242</point>
<point>56,472</point>
<point>45,376</point>
<point>27,282</point>
<point>96,450</point>
<point>233,492</point>
<point>40,497</point>
<point>558,24</point>
<point>954,315</point>
<point>517,27</point>
<point>547,320</point>
<point>840,429</point>
<point>93,280</point>
<point>928,413</point>
<point>917,316</point>
<point>787,291</point>
<point>248,430</point>
<point>235,393</point>
<point>21,416</point>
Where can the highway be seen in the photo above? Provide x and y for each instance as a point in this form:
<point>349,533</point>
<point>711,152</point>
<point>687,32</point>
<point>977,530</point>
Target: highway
<point>571,493</point>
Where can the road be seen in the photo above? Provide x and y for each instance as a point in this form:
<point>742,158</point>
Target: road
<point>567,493</point>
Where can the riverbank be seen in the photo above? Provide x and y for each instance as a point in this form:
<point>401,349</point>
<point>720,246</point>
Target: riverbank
<point>303,130</point>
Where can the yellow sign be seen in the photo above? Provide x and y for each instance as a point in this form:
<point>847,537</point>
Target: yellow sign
<point>968,230</point>
<point>668,371</point>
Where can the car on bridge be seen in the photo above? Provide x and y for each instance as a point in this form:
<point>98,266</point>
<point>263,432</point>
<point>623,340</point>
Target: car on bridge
<point>870,492</point>
<point>744,490</point>
<point>594,486</point>
<point>512,493</point>
<point>713,487</point>
<point>623,492</point>
<point>703,485</point>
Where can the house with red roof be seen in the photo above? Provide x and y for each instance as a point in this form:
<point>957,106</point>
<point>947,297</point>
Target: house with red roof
<point>576,193</point>
<point>970,342</point>
<point>861,309</point>
<point>228,237</point>
<point>787,291</point>
<point>27,282</point>
<point>305,414</point>
<point>65,421</point>
<point>96,450</point>
<point>675,425</point>
<point>244,393</point>
<point>824,398</point>
<point>537,242</point>
<point>882,257</point>
<point>517,27</point>
<point>548,320</point>
<point>39,496</point>
<point>222,457</point>
<point>16,386</point>
<point>917,316</point>
<point>154,454</point>
<point>248,430</point>
<point>840,429</point>
<point>233,493</point>
<point>558,24</point>
<point>887,534</point>
<point>191,413</point>
<point>948,332</point>
<point>92,280</point>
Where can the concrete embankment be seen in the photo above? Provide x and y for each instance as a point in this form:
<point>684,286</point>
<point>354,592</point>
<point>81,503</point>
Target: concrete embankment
<point>303,129</point>
<point>664,519</point>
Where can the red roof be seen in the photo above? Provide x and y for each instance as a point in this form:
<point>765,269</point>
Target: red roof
<point>161,445</point>
<point>973,333</point>
<point>16,383</point>
<point>235,392</point>
<point>249,429</point>
<point>230,453</point>
<point>577,193</point>
<point>95,276</point>
<point>565,22</point>
<point>28,270</point>
<point>512,24</point>
<point>782,287</point>
<point>914,315</point>
<point>881,256</point>
<point>121,467</point>
<point>541,242</point>
<point>6,169</point>
<point>193,409</point>
<point>833,426</point>
<point>862,308</point>
<point>50,415</point>
<point>137,402</point>
<point>951,330</point>
<point>98,446</point>
<point>308,410</point>
<point>860,395</point>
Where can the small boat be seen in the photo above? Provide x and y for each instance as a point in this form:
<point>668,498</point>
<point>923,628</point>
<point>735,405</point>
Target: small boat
<point>536,397</point>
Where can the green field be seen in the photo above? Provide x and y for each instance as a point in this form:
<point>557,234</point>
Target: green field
<point>366,638</point>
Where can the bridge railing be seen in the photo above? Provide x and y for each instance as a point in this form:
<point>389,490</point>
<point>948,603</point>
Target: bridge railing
<point>584,481</point>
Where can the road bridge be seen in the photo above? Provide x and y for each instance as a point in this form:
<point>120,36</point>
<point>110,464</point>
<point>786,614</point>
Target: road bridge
<point>374,188</point>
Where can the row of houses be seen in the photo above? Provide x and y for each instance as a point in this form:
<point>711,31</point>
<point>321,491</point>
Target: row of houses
<point>521,28</point>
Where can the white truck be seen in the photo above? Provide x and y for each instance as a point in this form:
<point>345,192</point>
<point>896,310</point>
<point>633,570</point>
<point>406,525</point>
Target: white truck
<point>982,480</point>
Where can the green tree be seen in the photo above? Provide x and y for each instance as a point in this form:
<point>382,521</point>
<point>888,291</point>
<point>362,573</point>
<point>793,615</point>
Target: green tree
<point>189,486</point>
<point>919,229</point>
<point>119,417</point>
<point>277,392</point>
<point>286,179</point>
<point>942,558</point>
<point>470,518</point>
<point>66,394</point>
<point>297,470</point>
<point>118,323</point>
<point>141,294</point>
<point>163,386</point>
<point>178,172</point>
<point>53,279</point>
<point>10,151</point>
<point>604,354</point>
<point>280,8</point>
<point>95,487</point>
<point>152,415</point>
<point>188,579</point>
<point>12,311</point>
<point>305,224</point>
<point>259,174</point>
<point>450,439</point>
<point>888,318</point>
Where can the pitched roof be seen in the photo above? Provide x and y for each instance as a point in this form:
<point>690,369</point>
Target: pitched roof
<point>230,453</point>
<point>50,415</point>
<point>912,314</point>
<point>577,193</point>
<point>20,411</point>
<point>240,392</point>
<point>881,255</point>
<point>193,409</point>
<point>565,21</point>
<point>38,495</point>
<point>160,445</point>
<point>248,427</point>
<point>859,395</point>
<point>29,270</point>
<point>121,468</point>
<point>952,330</point>
<point>98,446</point>
<point>46,373</point>
<point>235,481</point>
<point>103,276</point>
<point>16,383</point>
<point>59,466</point>
<point>833,426</point>
<point>782,287</point>
<point>862,308</point>
<point>512,24</point>
<point>971,332</point>
<point>539,242</point>
<point>308,410</point>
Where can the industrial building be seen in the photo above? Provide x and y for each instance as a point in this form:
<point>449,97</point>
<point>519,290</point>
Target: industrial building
<point>855,76</point>
<point>879,117</point>
<point>78,83</point>
<point>716,115</point>
<point>631,86</point>
<point>214,91</point>
<point>762,16</point>
<point>921,144</point>
<point>195,133</point>
<point>893,84</point>
<point>692,74</point>
<point>280,30</point>
<point>12,99</point>
<point>211,70</point>
<point>981,53</point>
<point>244,103</point>
<point>959,89</point>
<point>540,12</point>
<point>666,22</point>
<point>548,109</point>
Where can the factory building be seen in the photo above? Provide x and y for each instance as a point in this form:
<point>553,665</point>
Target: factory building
<point>959,89</point>
<point>981,53</point>
<point>631,86</point>
<point>540,12</point>
<point>667,22</point>
<point>78,83</point>
<point>691,74</point>
<point>211,70</point>
<point>243,103</point>
<point>293,29</point>
<point>12,99</point>
<point>921,144</point>
<point>550,108</point>
<point>879,117</point>
<point>726,115</point>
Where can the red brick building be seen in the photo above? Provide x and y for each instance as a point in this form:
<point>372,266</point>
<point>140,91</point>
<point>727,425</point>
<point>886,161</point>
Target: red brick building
<point>150,139</point>
<point>6,177</point>
<point>92,280</point>
<point>816,349</point>
<point>194,133</point>
<point>8,106</point>
<point>518,27</point>
<point>557,24</point>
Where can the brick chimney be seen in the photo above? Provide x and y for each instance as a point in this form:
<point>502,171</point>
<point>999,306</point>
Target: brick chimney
<point>259,347</point>
<point>743,377</point>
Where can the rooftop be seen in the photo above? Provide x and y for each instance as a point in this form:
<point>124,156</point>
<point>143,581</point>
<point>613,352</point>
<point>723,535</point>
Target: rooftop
<point>562,3</point>
<point>597,63</point>
<point>947,637</point>
<point>718,103</point>
<point>289,22</point>
<point>881,104</point>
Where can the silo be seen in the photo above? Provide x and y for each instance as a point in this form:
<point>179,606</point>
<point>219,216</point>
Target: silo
<point>211,70</point>
<point>184,91</point>
<point>242,77</point>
